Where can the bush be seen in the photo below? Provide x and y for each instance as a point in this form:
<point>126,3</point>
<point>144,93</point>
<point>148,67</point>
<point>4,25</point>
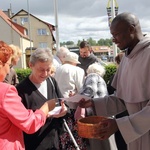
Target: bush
<point>110,70</point>
<point>22,73</point>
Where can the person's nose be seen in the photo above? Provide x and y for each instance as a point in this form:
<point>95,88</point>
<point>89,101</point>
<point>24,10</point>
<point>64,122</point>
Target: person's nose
<point>46,73</point>
<point>113,39</point>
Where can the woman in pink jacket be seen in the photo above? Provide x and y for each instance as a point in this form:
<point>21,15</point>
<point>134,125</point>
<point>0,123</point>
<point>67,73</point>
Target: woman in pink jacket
<point>14,117</point>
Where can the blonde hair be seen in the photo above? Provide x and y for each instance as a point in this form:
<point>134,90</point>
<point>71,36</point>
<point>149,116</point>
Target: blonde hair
<point>53,70</point>
<point>96,68</point>
<point>16,52</point>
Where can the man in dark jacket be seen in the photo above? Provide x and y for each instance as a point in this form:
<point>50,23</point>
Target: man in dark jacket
<point>86,57</point>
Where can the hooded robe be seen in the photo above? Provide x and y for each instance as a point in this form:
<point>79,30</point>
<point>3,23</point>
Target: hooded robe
<point>131,82</point>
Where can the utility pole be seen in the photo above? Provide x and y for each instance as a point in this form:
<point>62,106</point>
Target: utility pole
<point>10,15</point>
<point>29,24</point>
<point>112,11</point>
<point>113,16</point>
<point>56,25</point>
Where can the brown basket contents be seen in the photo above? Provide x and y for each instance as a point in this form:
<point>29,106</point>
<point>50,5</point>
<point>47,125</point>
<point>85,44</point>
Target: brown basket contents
<point>88,127</point>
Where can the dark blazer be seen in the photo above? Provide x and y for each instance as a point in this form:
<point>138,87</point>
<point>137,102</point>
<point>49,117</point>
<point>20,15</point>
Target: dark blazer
<point>46,138</point>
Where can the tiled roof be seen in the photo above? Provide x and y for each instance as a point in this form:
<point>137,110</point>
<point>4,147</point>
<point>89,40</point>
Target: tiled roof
<point>14,26</point>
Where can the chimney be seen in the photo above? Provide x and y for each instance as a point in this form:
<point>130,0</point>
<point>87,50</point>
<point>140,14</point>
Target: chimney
<point>9,13</point>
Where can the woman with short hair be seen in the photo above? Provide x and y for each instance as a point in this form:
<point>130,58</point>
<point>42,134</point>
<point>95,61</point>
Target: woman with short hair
<point>14,117</point>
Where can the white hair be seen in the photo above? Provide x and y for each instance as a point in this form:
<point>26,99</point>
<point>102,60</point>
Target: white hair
<point>62,51</point>
<point>42,55</point>
<point>96,68</point>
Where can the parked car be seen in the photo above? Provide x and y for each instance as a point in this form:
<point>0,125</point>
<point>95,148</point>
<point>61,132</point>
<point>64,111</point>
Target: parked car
<point>104,58</point>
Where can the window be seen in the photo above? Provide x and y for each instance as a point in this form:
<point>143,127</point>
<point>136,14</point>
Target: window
<point>15,20</point>
<point>26,32</point>
<point>24,20</point>
<point>42,32</point>
<point>43,45</point>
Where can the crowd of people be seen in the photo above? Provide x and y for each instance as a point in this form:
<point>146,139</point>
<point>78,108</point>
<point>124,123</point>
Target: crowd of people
<point>26,122</point>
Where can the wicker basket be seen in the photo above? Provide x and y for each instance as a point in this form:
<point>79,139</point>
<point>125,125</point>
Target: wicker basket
<point>88,127</point>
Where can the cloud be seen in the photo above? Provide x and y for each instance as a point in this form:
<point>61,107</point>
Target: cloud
<point>81,19</point>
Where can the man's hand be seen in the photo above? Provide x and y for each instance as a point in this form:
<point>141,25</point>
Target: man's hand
<point>107,128</point>
<point>85,104</point>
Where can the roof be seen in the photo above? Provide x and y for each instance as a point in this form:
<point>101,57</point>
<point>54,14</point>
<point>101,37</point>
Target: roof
<point>100,49</point>
<point>19,29</point>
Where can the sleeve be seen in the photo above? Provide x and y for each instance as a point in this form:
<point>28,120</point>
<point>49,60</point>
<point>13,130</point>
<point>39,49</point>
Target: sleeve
<point>108,106</point>
<point>80,75</point>
<point>137,124</point>
<point>24,119</point>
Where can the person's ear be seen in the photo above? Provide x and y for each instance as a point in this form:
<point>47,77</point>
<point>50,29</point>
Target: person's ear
<point>132,29</point>
<point>30,65</point>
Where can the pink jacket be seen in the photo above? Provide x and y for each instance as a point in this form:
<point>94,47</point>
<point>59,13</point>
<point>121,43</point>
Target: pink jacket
<point>15,118</point>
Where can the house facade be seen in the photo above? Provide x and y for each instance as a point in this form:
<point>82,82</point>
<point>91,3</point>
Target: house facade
<point>12,33</point>
<point>40,32</point>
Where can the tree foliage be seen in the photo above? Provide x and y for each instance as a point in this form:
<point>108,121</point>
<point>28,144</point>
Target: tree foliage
<point>66,43</point>
<point>92,42</point>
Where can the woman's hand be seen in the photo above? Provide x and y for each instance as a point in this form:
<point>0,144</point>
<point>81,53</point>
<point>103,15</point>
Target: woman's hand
<point>62,112</point>
<point>48,106</point>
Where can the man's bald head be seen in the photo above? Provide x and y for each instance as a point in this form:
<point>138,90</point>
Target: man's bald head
<point>126,18</point>
<point>126,31</point>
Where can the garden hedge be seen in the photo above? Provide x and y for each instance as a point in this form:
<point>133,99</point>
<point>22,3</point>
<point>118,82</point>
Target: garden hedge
<point>110,70</point>
<point>22,73</point>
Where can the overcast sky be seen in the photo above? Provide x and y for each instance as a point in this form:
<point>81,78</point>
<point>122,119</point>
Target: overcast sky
<point>81,19</point>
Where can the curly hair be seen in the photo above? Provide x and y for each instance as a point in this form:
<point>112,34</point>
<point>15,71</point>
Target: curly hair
<point>5,52</point>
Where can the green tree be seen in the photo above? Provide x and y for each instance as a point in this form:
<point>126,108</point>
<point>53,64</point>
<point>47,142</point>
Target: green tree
<point>62,43</point>
<point>92,42</point>
<point>66,43</point>
<point>104,42</point>
<point>69,43</point>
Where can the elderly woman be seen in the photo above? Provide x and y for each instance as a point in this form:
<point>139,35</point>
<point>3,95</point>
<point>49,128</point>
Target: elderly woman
<point>12,77</point>
<point>14,117</point>
<point>35,90</point>
<point>94,84</point>
<point>95,87</point>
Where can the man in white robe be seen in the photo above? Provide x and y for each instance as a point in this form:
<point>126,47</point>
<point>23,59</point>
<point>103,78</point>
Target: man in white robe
<point>132,84</point>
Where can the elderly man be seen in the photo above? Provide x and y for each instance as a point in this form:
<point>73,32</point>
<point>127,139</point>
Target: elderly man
<point>58,59</point>
<point>69,76</point>
<point>132,86</point>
